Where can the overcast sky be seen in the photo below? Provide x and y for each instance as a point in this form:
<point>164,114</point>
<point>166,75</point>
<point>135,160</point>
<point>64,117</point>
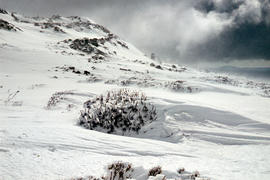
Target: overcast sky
<point>190,31</point>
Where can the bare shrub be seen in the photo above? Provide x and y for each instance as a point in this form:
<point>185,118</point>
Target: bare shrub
<point>117,112</point>
<point>195,175</point>
<point>123,171</point>
<point>11,96</point>
<point>119,171</point>
<point>56,98</point>
<point>155,171</point>
<point>181,170</point>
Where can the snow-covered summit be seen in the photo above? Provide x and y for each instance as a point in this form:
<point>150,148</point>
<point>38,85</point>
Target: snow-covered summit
<point>215,123</point>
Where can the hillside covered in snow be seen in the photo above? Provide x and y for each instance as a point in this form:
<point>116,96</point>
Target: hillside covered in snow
<point>62,79</point>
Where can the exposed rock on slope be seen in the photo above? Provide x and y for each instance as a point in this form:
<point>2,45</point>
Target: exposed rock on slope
<point>7,26</point>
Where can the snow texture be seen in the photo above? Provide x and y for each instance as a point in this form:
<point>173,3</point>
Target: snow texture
<point>215,123</point>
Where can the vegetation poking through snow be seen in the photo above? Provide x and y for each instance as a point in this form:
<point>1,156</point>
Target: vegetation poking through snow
<point>195,175</point>
<point>181,170</point>
<point>3,11</point>
<point>173,67</point>
<point>263,87</point>
<point>115,171</point>
<point>87,178</point>
<point>148,81</point>
<point>124,171</point>
<point>8,26</point>
<point>180,86</point>
<point>56,98</point>
<point>88,45</point>
<point>11,97</point>
<point>118,112</point>
<point>91,45</point>
<point>91,76</point>
<point>50,25</point>
<point>119,170</point>
<point>155,171</point>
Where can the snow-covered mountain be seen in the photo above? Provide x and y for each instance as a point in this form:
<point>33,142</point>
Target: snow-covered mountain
<point>213,123</point>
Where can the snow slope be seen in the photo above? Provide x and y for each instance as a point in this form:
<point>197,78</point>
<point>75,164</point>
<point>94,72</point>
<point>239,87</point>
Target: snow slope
<point>208,122</point>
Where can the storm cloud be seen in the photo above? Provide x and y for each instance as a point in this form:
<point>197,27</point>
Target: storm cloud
<point>184,31</point>
<point>247,36</point>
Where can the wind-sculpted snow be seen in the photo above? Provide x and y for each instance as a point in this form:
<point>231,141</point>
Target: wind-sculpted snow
<point>263,87</point>
<point>208,122</point>
<point>148,81</point>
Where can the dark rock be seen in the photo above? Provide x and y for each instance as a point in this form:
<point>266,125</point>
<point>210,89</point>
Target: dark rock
<point>7,26</point>
<point>76,72</point>
<point>71,68</point>
<point>15,17</point>
<point>57,29</point>
<point>86,72</point>
<point>94,42</point>
<point>3,11</point>
<point>155,171</point>
<point>159,67</point>
<point>122,44</point>
<point>123,69</point>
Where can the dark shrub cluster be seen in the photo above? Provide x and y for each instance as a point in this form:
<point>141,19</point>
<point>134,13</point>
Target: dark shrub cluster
<point>148,81</point>
<point>173,68</point>
<point>155,171</point>
<point>119,171</point>
<point>89,45</point>
<point>50,25</point>
<point>123,171</point>
<point>85,45</point>
<point>56,98</point>
<point>179,86</point>
<point>122,44</point>
<point>7,26</point>
<point>3,11</point>
<point>118,112</point>
<point>226,80</point>
<point>72,69</point>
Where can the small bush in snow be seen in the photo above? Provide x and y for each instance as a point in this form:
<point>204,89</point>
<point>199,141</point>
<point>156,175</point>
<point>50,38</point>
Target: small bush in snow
<point>119,171</point>
<point>195,175</point>
<point>123,171</point>
<point>179,86</point>
<point>155,171</point>
<point>117,112</point>
<point>181,170</point>
<point>3,11</point>
<point>56,98</point>
<point>7,26</point>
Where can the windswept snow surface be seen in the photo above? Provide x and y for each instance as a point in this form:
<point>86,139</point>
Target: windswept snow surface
<point>218,126</point>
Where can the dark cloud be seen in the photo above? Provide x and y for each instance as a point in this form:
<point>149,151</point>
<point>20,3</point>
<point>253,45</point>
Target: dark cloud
<point>246,37</point>
<point>244,42</point>
<point>186,31</point>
